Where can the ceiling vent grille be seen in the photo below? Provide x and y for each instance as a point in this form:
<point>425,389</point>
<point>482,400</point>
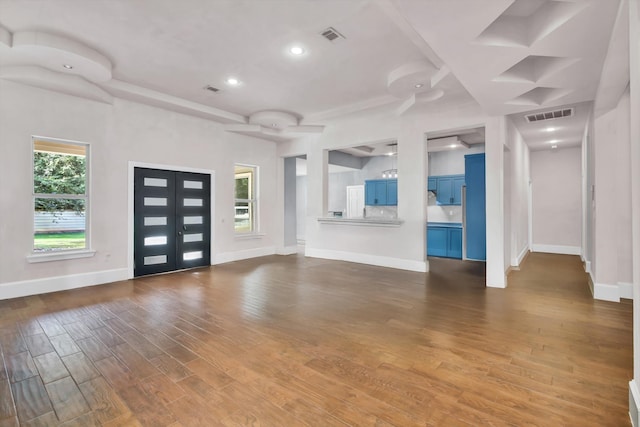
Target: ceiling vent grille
<point>211,89</point>
<point>548,115</point>
<point>332,35</point>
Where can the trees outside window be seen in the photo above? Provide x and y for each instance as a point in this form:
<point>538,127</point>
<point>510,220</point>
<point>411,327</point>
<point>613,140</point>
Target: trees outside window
<point>60,195</point>
<point>245,199</point>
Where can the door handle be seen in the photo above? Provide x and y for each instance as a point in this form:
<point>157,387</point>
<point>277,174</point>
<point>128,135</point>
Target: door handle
<point>179,233</point>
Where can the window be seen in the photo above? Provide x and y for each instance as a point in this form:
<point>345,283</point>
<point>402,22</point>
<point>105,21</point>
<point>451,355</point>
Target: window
<point>60,196</point>
<point>245,199</point>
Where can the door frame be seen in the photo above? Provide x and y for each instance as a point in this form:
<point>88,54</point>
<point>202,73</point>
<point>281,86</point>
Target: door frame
<point>130,203</point>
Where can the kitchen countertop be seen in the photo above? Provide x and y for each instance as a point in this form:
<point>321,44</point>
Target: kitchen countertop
<point>371,221</point>
<point>445,224</point>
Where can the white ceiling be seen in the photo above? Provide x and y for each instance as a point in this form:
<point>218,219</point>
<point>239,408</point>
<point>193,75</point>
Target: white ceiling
<point>511,56</point>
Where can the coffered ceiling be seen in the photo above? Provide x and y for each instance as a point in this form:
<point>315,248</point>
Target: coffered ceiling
<point>511,56</point>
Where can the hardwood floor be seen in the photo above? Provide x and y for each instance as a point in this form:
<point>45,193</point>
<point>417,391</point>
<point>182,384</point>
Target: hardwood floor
<point>288,341</point>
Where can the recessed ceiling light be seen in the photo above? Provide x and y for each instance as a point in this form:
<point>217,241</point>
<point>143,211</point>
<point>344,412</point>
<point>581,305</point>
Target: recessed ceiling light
<point>553,141</point>
<point>453,146</point>
<point>296,50</point>
<point>419,85</point>
<point>232,81</point>
<point>550,129</point>
<point>554,147</point>
<point>67,66</point>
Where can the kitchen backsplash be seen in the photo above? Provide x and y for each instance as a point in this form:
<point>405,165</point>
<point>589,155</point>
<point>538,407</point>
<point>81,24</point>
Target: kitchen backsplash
<point>437,213</point>
<point>381,212</point>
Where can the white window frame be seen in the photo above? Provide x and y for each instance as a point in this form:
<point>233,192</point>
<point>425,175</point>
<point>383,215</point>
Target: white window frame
<point>253,202</point>
<point>62,254</point>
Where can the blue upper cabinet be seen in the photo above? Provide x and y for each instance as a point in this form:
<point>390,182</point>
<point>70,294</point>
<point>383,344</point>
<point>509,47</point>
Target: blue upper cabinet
<point>432,184</point>
<point>458,183</point>
<point>392,192</point>
<point>448,188</point>
<point>381,192</point>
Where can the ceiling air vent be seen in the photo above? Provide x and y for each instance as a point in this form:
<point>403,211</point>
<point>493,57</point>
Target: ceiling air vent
<point>211,89</point>
<point>332,35</point>
<point>548,115</point>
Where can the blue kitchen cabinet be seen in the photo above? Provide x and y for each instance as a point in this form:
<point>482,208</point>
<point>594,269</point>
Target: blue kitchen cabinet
<point>381,192</point>
<point>454,244</point>
<point>392,192</point>
<point>432,184</point>
<point>458,183</point>
<point>448,189</point>
<point>444,240</point>
<point>437,241</point>
<point>475,207</point>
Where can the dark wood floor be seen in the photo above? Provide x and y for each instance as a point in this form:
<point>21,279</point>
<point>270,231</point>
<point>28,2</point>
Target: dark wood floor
<point>287,341</point>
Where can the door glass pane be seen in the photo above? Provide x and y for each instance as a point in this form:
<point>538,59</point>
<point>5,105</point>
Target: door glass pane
<point>192,220</point>
<point>59,224</point>
<point>155,220</point>
<point>196,185</point>
<point>196,237</point>
<point>155,240</point>
<point>155,201</point>
<point>155,182</point>
<point>192,202</point>
<point>155,259</point>
<point>188,256</point>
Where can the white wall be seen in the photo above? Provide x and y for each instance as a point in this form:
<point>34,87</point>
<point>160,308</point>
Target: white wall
<point>612,263</point>
<point>518,232</point>
<point>451,162</point>
<point>556,177</point>
<point>301,206</point>
<point>118,133</point>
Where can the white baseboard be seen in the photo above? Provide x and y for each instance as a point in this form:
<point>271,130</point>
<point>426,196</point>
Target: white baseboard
<point>626,290</point>
<point>381,261</point>
<point>587,266</point>
<point>515,262</point>
<point>245,254</point>
<point>634,403</point>
<point>287,250</point>
<point>556,249</point>
<point>606,292</point>
<point>60,283</point>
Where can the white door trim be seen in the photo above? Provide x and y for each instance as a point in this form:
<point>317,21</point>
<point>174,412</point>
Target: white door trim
<point>130,203</point>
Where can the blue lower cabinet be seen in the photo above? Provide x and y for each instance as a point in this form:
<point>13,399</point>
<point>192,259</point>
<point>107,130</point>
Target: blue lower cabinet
<point>454,247</point>
<point>444,241</point>
<point>437,241</point>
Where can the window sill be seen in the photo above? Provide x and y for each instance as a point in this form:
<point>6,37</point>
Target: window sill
<point>249,236</point>
<point>59,256</point>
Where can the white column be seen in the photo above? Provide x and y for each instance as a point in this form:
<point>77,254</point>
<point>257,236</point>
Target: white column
<point>412,190</point>
<point>495,137</point>
<point>634,72</point>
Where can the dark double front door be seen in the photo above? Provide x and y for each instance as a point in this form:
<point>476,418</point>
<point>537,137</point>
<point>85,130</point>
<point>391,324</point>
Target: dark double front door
<point>172,220</point>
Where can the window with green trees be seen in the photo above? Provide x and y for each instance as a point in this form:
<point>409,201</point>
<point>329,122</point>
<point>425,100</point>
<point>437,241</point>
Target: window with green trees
<point>245,199</point>
<point>60,195</point>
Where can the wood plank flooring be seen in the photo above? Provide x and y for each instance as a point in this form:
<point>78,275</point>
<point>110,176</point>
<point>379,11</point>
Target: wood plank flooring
<point>294,341</point>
